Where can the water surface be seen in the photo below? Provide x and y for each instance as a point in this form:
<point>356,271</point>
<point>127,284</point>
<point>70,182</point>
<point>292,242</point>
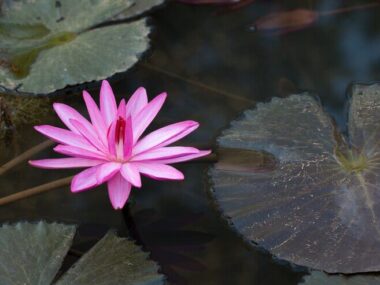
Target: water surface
<point>213,67</point>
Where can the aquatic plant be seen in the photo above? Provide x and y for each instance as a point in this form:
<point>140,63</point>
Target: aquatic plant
<point>283,22</point>
<point>48,45</point>
<point>19,111</point>
<point>317,205</point>
<point>33,253</point>
<point>110,146</point>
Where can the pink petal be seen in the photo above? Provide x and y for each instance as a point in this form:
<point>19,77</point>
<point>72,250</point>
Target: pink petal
<point>71,162</point>
<point>78,152</point>
<point>165,153</point>
<point>118,191</point>
<point>84,180</point>
<point>131,174</point>
<point>137,102</point>
<point>108,106</point>
<point>106,171</point>
<point>66,113</point>
<point>91,137</point>
<point>159,171</point>
<point>96,117</point>
<point>165,136</point>
<point>111,139</point>
<point>63,136</point>
<point>128,138</point>
<point>121,111</point>
<point>147,115</point>
<point>184,158</point>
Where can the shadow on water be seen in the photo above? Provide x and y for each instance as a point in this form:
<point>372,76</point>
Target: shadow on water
<point>192,47</point>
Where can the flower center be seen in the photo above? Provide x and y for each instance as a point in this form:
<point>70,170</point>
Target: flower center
<point>120,130</point>
<point>352,161</point>
<point>119,137</point>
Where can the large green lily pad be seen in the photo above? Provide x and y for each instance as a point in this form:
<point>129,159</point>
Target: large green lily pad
<point>320,278</point>
<point>318,205</point>
<point>47,45</point>
<point>33,254</point>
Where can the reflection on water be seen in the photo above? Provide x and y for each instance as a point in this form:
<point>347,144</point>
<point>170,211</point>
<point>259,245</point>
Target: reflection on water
<point>222,52</point>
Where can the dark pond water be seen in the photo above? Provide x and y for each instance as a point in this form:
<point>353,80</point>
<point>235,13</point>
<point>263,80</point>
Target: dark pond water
<point>213,66</point>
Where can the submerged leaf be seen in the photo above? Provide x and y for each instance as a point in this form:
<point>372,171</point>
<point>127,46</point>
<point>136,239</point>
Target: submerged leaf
<point>318,278</point>
<point>294,20</point>
<point>287,21</point>
<point>33,254</point>
<point>319,206</point>
<point>47,45</point>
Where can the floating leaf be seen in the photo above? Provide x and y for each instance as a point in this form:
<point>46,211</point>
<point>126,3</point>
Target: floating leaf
<point>33,254</point>
<point>320,206</point>
<point>47,45</point>
<point>286,21</point>
<point>318,278</point>
<point>138,8</point>
<point>113,260</point>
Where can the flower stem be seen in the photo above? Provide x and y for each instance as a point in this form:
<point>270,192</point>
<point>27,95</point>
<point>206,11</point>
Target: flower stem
<point>35,190</point>
<point>196,83</point>
<point>24,156</point>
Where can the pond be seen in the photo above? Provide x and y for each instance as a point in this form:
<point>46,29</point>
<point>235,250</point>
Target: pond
<point>214,65</point>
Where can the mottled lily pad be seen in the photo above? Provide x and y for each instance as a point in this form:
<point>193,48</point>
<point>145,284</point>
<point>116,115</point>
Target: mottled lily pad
<point>33,254</point>
<point>318,278</point>
<point>47,45</point>
<point>318,205</point>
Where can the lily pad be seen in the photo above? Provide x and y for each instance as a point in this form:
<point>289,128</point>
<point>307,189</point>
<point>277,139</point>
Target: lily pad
<point>318,278</point>
<point>138,8</point>
<point>48,45</point>
<point>318,205</point>
<point>33,254</point>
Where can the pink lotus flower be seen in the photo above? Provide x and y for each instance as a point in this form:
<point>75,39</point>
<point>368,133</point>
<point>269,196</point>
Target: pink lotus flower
<point>110,148</point>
